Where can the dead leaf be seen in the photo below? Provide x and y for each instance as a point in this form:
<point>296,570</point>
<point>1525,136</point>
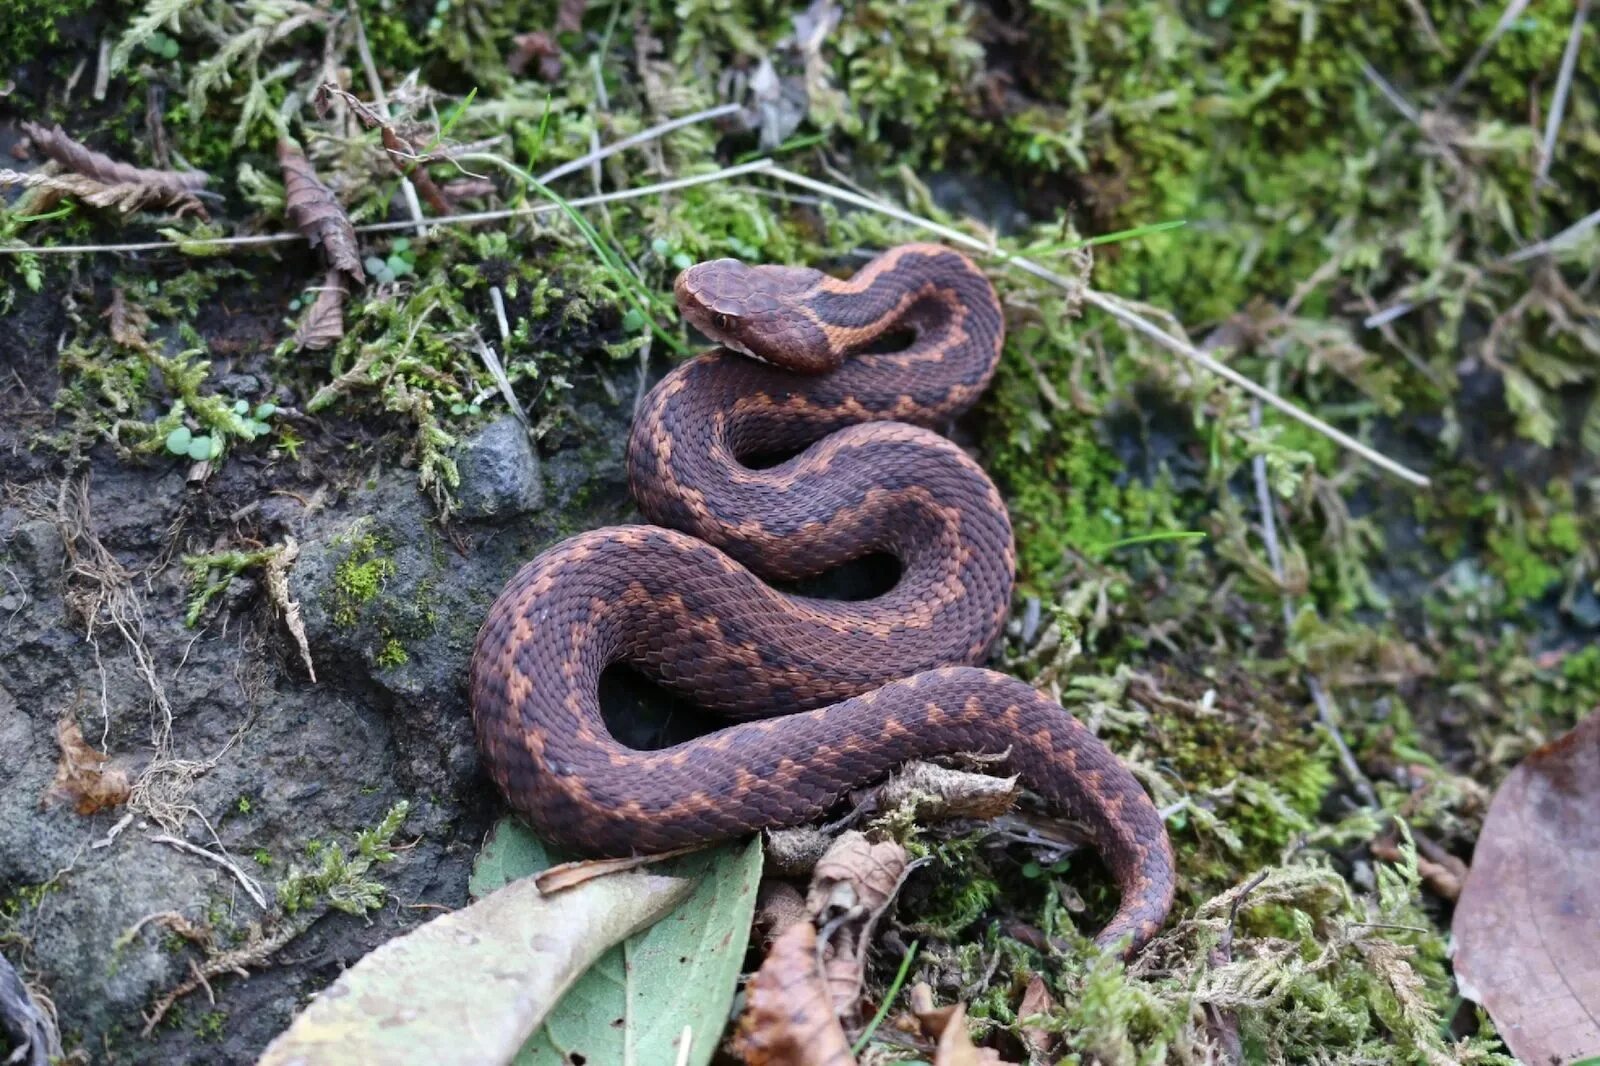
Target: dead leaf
<point>524,949</point>
<point>278,592</point>
<point>569,15</point>
<point>788,1020</point>
<point>1036,1000</point>
<point>535,45</point>
<point>323,325</point>
<point>82,777</point>
<point>1525,926</point>
<point>315,213</point>
<point>948,1025</point>
<point>779,906</point>
<point>934,793</point>
<point>121,185</point>
<point>1440,871</point>
<point>850,888</point>
<point>856,875</point>
<point>566,876</point>
<point>128,322</point>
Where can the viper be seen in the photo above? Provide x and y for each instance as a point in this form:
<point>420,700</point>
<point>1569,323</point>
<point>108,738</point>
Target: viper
<point>804,442</point>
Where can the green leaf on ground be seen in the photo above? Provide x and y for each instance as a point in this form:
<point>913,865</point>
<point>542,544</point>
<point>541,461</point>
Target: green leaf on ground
<point>632,1005</point>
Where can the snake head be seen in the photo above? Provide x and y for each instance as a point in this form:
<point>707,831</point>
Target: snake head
<point>760,311</point>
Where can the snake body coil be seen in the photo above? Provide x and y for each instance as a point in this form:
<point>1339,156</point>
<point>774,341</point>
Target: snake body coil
<point>832,694</point>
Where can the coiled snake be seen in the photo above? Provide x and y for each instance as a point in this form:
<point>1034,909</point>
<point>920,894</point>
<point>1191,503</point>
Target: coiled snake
<point>858,687</point>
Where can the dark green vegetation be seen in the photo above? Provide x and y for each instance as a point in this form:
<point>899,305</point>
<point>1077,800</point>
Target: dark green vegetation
<point>1452,627</point>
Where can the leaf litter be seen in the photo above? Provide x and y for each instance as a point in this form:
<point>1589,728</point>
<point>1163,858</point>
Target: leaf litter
<point>1527,926</point>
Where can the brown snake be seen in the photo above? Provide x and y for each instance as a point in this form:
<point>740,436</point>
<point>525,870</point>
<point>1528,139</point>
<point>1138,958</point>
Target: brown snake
<point>860,686</point>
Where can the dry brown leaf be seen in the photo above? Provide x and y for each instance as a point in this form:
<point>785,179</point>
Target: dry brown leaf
<point>569,15</point>
<point>1525,926</point>
<point>536,45</point>
<point>51,187</point>
<point>128,322</point>
<point>278,592</point>
<point>402,151</point>
<point>82,777</point>
<point>788,1020</point>
<point>115,184</point>
<point>778,907</point>
<point>323,325</point>
<point>1036,1000</point>
<point>948,1026</point>
<point>315,213</point>
<point>850,888</point>
<point>856,875</point>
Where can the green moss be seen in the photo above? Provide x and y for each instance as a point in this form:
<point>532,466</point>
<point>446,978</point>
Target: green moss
<point>32,25</point>
<point>360,577</point>
<point>392,654</point>
<point>341,880</point>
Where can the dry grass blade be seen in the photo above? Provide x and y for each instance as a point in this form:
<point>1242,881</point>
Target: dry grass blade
<point>323,325</point>
<point>316,214</point>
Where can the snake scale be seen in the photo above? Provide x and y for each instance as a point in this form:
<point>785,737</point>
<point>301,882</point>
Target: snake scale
<point>825,695</point>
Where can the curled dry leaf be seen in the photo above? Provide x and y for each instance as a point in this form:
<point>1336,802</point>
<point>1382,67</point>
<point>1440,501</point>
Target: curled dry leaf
<point>128,322</point>
<point>788,1020</point>
<point>82,777</point>
<point>934,793</point>
<point>278,592</point>
<point>1525,926</point>
<point>850,888</point>
<point>315,213</point>
<point>114,184</point>
<point>948,1026</point>
<point>1036,1001</point>
<point>402,151</point>
<point>323,325</point>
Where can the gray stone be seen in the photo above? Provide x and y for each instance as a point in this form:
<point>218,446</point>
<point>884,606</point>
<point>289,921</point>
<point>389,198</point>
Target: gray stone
<point>499,472</point>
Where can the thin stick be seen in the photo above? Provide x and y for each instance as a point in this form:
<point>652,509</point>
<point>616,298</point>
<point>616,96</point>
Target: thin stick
<point>1558,102</point>
<point>1319,695</point>
<point>1513,11</point>
<point>1550,244</point>
<point>243,878</point>
<point>653,133</point>
<point>379,97</point>
<point>1115,307</point>
<point>390,227</point>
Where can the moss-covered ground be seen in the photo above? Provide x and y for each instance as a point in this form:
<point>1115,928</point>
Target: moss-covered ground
<point>1353,178</point>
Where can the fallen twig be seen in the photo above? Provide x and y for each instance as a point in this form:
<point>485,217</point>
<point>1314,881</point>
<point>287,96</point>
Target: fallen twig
<point>1319,695</point>
<point>1558,100</point>
<point>244,879</point>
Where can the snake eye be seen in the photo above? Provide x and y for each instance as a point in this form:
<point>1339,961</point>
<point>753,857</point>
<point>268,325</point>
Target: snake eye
<point>720,321</point>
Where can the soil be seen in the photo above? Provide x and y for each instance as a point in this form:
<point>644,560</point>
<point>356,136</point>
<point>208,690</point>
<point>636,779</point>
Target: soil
<point>278,763</point>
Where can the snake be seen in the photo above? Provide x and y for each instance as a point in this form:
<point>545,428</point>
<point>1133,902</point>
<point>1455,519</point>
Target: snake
<point>806,440</point>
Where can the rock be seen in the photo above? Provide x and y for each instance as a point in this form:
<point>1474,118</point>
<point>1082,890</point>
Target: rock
<point>499,472</point>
